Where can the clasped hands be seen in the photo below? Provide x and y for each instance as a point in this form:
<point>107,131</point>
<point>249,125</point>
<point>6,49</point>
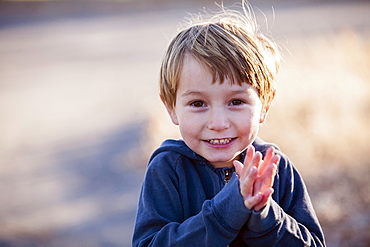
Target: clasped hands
<point>256,177</point>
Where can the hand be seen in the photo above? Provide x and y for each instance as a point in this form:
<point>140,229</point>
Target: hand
<point>265,178</point>
<point>248,173</point>
<point>256,177</point>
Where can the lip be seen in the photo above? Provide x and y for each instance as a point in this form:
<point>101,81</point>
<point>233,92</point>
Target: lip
<point>219,142</point>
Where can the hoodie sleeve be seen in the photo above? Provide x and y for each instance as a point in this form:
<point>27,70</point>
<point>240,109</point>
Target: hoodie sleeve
<point>289,218</point>
<point>160,217</point>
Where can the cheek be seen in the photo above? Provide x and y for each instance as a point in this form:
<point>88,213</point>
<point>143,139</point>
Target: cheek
<point>249,123</point>
<point>191,127</point>
<point>188,126</point>
<point>190,135</point>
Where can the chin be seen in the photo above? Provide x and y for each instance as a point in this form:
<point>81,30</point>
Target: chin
<point>218,163</point>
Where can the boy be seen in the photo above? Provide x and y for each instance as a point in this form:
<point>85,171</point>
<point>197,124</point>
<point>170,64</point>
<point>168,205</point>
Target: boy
<point>222,185</point>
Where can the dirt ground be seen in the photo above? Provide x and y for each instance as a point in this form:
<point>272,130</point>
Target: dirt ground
<point>80,111</point>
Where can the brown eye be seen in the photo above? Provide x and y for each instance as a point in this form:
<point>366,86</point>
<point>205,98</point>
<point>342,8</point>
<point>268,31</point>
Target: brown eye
<point>197,103</point>
<point>236,102</point>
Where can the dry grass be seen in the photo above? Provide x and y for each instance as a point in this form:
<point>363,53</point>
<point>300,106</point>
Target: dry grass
<point>323,101</point>
<point>321,120</point>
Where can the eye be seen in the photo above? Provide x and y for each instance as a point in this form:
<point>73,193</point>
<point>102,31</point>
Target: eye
<point>197,103</point>
<point>237,102</point>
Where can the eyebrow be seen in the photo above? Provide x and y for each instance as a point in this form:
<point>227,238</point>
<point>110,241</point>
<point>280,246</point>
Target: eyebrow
<point>190,92</point>
<point>194,92</point>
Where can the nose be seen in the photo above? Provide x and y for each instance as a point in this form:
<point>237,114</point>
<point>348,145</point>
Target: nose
<point>218,120</point>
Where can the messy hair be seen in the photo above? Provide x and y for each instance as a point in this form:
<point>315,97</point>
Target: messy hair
<point>231,46</point>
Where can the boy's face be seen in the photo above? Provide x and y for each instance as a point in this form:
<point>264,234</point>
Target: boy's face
<point>217,121</point>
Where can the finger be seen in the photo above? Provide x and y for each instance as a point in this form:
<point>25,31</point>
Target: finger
<point>252,201</point>
<point>257,159</point>
<point>249,155</point>
<point>265,197</point>
<point>270,174</point>
<point>266,180</point>
<point>257,186</point>
<point>246,167</point>
<point>270,152</point>
<point>275,159</point>
<point>238,169</point>
<point>248,158</point>
<point>246,184</point>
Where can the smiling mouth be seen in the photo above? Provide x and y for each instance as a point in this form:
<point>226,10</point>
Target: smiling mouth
<point>219,141</point>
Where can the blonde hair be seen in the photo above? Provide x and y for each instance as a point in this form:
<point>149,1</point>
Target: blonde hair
<point>231,46</point>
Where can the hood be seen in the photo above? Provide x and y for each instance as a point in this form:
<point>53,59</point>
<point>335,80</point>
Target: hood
<point>177,146</point>
<point>180,147</point>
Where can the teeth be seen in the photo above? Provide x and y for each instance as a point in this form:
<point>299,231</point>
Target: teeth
<point>220,141</point>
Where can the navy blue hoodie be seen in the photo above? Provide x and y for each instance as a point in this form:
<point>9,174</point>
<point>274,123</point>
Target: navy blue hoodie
<point>185,201</point>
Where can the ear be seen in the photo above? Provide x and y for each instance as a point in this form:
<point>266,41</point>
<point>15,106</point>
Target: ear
<point>264,114</point>
<point>171,111</point>
<point>266,109</point>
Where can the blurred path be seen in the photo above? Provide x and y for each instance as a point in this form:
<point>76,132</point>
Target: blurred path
<point>73,104</point>
<point>76,95</point>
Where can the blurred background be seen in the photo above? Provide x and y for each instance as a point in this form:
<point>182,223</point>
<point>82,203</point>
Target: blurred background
<point>80,112</point>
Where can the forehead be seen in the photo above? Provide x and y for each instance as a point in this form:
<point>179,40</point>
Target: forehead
<point>193,69</point>
<point>196,71</point>
<point>196,79</point>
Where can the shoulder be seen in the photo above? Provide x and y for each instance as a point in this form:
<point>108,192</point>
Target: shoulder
<point>262,146</point>
<point>287,176</point>
<point>166,160</point>
<point>288,183</point>
<point>169,164</point>
<point>172,154</point>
